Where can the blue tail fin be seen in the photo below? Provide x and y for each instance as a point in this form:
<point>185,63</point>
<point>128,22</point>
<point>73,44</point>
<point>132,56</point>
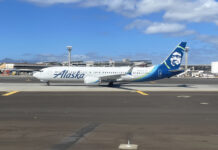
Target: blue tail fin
<point>174,61</point>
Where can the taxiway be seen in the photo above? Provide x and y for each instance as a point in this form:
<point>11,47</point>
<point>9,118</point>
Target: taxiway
<point>103,120</point>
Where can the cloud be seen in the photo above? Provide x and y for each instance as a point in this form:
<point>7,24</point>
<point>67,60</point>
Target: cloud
<point>138,24</point>
<point>157,27</point>
<point>176,10</point>
<point>148,27</point>
<point>52,2</point>
<point>49,58</point>
<point>203,55</point>
<point>212,39</point>
<point>170,29</point>
<point>183,33</point>
<point>194,11</point>
<point>145,7</point>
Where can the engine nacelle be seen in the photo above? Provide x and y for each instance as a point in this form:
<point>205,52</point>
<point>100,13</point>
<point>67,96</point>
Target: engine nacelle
<point>125,78</point>
<point>92,81</point>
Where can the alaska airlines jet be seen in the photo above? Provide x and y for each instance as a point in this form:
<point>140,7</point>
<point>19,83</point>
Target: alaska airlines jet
<point>110,75</point>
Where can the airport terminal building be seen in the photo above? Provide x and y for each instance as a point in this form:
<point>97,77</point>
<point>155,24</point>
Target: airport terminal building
<point>28,68</point>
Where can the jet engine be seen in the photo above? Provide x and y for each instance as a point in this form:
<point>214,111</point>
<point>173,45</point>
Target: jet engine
<point>92,81</point>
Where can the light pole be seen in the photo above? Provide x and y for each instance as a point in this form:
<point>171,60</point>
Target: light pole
<point>186,58</point>
<point>69,48</point>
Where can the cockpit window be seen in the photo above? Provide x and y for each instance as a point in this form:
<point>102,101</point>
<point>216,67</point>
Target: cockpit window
<point>41,70</point>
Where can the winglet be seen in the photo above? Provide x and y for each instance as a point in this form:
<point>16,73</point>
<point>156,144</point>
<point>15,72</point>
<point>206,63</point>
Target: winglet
<point>129,72</point>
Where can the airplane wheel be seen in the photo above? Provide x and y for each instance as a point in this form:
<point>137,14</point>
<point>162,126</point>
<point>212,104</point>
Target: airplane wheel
<point>111,84</point>
<point>48,83</point>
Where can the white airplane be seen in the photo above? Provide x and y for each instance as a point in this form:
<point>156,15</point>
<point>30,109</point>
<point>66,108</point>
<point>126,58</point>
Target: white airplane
<point>110,75</point>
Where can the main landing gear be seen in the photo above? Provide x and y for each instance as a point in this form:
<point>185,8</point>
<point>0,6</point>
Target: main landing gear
<point>111,84</point>
<point>48,83</point>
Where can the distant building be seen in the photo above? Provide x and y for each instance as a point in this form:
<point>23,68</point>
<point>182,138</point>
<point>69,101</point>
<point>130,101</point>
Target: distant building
<point>206,68</point>
<point>74,63</point>
<point>20,68</point>
<point>214,67</point>
<point>49,63</point>
<point>125,62</point>
<point>197,71</point>
<point>110,63</point>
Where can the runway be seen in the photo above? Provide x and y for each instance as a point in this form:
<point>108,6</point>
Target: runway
<point>64,87</point>
<point>30,84</point>
<point>31,79</point>
<point>103,120</point>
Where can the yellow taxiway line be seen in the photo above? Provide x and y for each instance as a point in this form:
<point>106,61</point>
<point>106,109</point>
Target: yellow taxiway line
<point>10,93</point>
<point>142,93</point>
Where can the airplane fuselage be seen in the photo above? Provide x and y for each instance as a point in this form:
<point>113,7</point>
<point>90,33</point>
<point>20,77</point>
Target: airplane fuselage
<point>71,74</point>
<point>80,73</point>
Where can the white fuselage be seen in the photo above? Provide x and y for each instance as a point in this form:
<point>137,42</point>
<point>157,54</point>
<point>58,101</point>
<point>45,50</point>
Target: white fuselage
<point>80,73</point>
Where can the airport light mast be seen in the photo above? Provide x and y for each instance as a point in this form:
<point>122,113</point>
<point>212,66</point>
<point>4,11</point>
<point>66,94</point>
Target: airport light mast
<point>186,61</point>
<point>186,58</point>
<point>69,48</point>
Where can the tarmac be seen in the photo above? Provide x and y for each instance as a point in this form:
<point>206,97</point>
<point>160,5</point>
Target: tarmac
<point>31,79</point>
<point>57,87</point>
<point>168,114</point>
<point>30,84</point>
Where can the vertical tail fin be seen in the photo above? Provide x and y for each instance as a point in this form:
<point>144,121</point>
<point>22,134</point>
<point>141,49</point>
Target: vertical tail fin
<point>174,61</point>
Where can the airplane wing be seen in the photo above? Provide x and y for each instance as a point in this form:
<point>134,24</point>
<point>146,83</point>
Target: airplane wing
<point>110,78</point>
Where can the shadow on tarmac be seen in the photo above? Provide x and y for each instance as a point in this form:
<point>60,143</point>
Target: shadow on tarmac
<point>123,86</point>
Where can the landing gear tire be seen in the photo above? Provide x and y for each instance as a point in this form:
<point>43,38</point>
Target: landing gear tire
<point>48,83</point>
<point>111,84</point>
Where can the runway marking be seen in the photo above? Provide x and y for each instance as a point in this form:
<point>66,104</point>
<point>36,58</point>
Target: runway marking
<point>183,96</point>
<point>152,82</point>
<point>204,103</point>
<point>142,93</point>
<point>67,142</point>
<point>10,93</point>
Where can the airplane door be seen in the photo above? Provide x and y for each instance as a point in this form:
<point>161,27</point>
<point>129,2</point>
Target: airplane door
<point>159,73</point>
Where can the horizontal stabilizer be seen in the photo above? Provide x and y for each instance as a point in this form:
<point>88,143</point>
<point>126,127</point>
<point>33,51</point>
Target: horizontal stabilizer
<point>177,71</point>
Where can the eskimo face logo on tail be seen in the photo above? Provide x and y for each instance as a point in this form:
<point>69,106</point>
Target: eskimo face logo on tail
<point>67,74</point>
<point>176,59</point>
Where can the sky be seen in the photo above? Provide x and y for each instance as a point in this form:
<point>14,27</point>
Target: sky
<point>40,30</point>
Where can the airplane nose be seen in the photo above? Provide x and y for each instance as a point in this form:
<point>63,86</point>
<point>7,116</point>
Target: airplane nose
<point>36,74</point>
